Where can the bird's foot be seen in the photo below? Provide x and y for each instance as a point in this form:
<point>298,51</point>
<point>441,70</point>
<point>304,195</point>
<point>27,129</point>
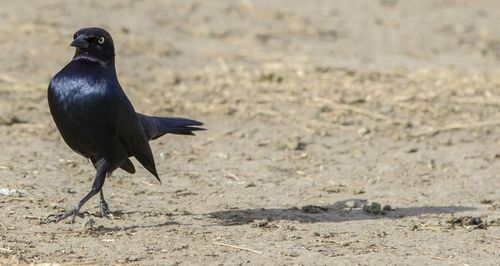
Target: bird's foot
<point>105,212</point>
<point>55,218</point>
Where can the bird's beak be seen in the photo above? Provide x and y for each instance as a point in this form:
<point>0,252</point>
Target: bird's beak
<point>80,42</point>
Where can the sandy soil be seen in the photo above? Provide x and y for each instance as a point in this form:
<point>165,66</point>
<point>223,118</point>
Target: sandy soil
<point>314,108</point>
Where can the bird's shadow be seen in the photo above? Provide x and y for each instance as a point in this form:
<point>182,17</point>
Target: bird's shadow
<point>336,212</point>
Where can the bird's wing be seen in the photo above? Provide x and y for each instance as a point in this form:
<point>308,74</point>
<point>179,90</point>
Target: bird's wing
<point>128,129</point>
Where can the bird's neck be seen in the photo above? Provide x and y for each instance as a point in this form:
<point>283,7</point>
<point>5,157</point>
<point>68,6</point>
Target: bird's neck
<point>93,59</point>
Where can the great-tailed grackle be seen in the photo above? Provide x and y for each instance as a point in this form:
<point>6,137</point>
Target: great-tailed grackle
<point>97,120</point>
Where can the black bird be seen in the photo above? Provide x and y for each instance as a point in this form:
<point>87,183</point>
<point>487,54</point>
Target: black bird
<point>97,120</point>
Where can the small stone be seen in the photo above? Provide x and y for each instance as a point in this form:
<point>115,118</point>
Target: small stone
<point>373,208</point>
<point>334,189</point>
<point>251,184</point>
<point>363,131</point>
<point>351,204</point>
<point>164,155</point>
<point>260,223</point>
<point>358,191</point>
<point>413,227</point>
<point>68,190</point>
<point>412,150</point>
<point>467,221</point>
<point>475,221</point>
<point>289,144</point>
<point>14,191</point>
<point>486,201</point>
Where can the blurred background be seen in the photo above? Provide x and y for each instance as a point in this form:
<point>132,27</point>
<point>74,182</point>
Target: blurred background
<point>192,34</point>
<point>313,109</point>
<point>267,56</point>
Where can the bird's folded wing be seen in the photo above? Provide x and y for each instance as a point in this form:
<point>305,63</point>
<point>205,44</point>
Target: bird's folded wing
<point>129,130</point>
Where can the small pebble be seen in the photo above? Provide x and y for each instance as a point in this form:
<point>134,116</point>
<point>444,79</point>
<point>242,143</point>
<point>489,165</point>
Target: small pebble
<point>412,150</point>
<point>363,131</point>
<point>413,227</point>
<point>373,208</point>
<point>351,204</point>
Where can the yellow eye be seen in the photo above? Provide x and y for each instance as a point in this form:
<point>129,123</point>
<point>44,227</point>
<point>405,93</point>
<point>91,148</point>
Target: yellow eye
<point>100,40</point>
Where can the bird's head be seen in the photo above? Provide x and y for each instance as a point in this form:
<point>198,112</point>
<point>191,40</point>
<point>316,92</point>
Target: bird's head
<point>94,43</point>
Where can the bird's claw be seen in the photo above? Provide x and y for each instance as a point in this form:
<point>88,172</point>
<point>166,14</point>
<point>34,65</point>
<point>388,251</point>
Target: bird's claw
<point>55,218</point>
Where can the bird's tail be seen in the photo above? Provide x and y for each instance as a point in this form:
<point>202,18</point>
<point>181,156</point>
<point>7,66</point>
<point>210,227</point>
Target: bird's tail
<point>155,126</point>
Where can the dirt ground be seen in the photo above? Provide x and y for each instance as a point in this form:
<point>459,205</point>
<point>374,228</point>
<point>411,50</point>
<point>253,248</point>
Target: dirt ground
<point>313,109</point>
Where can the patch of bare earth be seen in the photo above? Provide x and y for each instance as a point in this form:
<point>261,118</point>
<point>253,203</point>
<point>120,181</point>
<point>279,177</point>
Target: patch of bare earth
<point>303,139</point>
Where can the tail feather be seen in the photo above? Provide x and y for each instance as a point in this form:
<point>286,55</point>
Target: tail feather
<point>155,126</point>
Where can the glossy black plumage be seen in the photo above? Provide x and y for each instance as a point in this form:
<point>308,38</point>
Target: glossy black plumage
<point>97,120</point>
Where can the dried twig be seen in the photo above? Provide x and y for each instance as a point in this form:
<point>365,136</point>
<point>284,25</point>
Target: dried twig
<point>14,258</point>
<point>478,100</point>
<point>4,225</point>
<point>358,110</point>
<point>457,126</point>
<point>6,250</point>
<point>234,176</point>
<point>236,247</point>
<point>87,262</point>
<point>441,258</point>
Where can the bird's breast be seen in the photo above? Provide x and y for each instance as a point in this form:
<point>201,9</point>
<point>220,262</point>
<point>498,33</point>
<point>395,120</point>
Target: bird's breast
<point>71,88</point>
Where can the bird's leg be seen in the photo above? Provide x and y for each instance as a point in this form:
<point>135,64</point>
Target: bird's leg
<point>103,205</point>
<point>103,167</point>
